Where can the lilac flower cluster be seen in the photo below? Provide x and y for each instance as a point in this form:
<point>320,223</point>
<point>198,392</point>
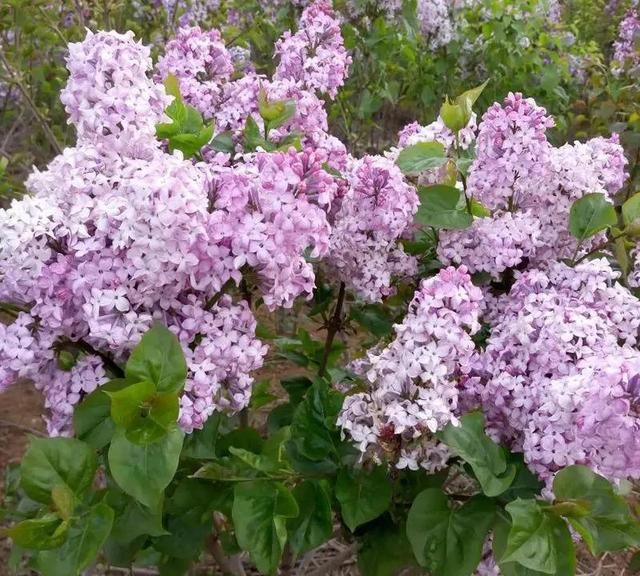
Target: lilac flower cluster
<point>108,97</point>
<point>314,57</point>
<point>626,55</point>
<point>375,211</point>
<point>529,185</point>
<point>413,381</point>
<point>117,234</point>
<point>557,379</point>
<point>201,63</point>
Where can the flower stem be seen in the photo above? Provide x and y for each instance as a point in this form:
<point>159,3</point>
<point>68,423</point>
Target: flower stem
<point>333,327</point>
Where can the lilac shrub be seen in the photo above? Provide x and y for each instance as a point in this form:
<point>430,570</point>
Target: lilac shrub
<point>487,269</point>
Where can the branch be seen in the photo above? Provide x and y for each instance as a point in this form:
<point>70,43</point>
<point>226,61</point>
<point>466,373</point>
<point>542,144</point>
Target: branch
<point>216,297</point>
<point>32,105</point>
<point>333,327</point>
<point>109,362</point>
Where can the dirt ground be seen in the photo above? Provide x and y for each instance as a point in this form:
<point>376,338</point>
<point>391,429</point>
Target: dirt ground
<point>20,409</point>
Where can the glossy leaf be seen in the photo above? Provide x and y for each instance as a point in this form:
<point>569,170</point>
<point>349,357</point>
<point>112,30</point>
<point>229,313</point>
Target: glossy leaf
<point>314,524</point>
<point>362,496</point>
<point>591,214</point>
<point>145,470</point>
<point>420,157</point>
<point>445,540</point>
<point>49,462</point>
<point>158,358</point>
<point>488,461</point>
<point>442,206</point>
<point>260,513</point>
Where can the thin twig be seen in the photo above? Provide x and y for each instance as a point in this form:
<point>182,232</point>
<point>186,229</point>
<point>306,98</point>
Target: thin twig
<point>333,327</point>
<point>15,79</point>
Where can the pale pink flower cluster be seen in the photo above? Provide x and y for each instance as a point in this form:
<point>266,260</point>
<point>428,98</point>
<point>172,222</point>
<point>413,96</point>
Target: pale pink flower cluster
<point>376,210</point>
<point>556,379</point>
<point>201,63</point>
<point>314,56</point>
<point>529,185</point>
<point>109,97</point>
<point>117,234</point>
<point>412,382</point>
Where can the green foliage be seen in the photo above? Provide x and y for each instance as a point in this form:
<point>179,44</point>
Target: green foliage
<point>606,522</point>
<point>448,541</point>
<point>187,131</point>
<point>363,496</point>
<point>145,470</point>
<point>591,214</point>
<point>57,461</point>
<point>486,458</point>
<point>420,157</point>
<point>443,206</point>
<point>260,513</point>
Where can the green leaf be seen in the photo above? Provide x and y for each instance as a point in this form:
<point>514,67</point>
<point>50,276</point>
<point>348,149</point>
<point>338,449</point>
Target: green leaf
<point>172,87</point>
<point>187,535</point>
<point>537,540</point>
<point>246,438</point>
<point>260,395</point>
<point>314,525</point>
<point>201,444</point>
<point>362,496</point>
<point>64,500</point>
<point>467,99</point>
<point>92,419</point>
<point>44,533</point>
<point>448,541</point>
<point>260,513</point>
<point>296,387</point>
<point>158,358</point>
<point>135,520</point>
<point>608,524</point>
<point>479,210</point>
<point>525,485</point>
<point>49,462</point>
<point>420,157</point>
<point>223,142</point>
<point>145,470</point>
<point>252,137</point>
<point>591,214</point>
<point>631,210</point>
<point>145,414</point>
<point>565,557</point>
<point>373,318</point>
<point>469,442</point>
<point>313,429</point>
<point>275,113</point>
<point>442,206</point>
<point>86,536</point>
<point>385,551</point>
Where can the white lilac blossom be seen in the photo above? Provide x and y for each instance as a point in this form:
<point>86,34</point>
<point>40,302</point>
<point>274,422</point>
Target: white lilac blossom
<point>376,209</point>
<point>108,96</point>
<point>412,383</point>
<point>314,56</point>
